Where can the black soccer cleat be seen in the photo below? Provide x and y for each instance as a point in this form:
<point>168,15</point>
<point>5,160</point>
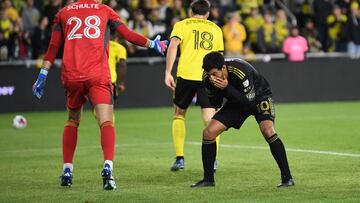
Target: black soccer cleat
<point>285,184</point>
<point>108,179</point>
<point>66,178</point>
<point>203,183</point>
<point>178,164</point>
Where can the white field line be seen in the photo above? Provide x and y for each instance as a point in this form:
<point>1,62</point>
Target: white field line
<point>193,143</point>
<point>287,149</point>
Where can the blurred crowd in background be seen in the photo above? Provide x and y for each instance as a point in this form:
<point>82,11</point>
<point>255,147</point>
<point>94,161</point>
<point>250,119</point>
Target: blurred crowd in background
<point>249,26</point>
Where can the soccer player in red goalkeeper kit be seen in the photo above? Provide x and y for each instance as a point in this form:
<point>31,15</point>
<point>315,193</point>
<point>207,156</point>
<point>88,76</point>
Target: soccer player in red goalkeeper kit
<point>84,27</point>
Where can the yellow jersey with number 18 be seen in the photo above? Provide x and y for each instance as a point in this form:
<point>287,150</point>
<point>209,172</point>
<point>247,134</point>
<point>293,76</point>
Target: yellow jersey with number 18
<point>198,38</point>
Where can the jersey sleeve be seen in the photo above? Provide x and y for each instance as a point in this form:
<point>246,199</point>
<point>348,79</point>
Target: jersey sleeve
<point>116,24</point>
<point>55,41</point>
<point>177,31</point>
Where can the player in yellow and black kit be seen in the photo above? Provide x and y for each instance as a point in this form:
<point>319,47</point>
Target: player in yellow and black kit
<point>117,65</point>
<point>247,93</point>
<point>196,37</point>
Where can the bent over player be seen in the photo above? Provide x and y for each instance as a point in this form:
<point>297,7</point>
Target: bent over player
<point>247,93</point>
<point>84,27</point>
<point>196,36</point>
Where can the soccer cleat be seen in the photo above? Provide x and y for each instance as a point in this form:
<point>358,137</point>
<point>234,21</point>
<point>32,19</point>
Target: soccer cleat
<point>66,178</point>
<point>108,179</point>
<point>178,164</point>
<point>203,183</point>
<point>287,183</point>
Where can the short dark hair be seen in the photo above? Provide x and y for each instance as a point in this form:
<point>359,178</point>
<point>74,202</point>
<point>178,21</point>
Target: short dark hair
<point>200,7</point>
<point>213,60</point>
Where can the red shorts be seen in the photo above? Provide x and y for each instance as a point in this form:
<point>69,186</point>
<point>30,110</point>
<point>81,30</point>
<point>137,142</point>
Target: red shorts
<point>98,90</point>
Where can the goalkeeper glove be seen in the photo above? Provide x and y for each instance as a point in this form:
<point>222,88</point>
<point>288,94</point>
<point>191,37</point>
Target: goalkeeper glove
<point>38,87</point>
<point>159,46</point>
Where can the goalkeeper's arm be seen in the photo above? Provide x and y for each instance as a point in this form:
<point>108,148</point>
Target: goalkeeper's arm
<point>38,87</point>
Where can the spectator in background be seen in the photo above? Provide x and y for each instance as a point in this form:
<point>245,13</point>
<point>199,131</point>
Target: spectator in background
<point>169,29</point>
<point>112,4</point>
<point>11,12</point>
<point>30,17</point>
<point>145,6</point>
<point>41,38</point>
<point>253,23</point>
<point>281,26</point>
<point>20,42</point>
<point>158,26</point>
<point>267,36</point>
<point>302,10</point>
<point>352,33</point>
<point>311,36</point>
<point>344,5</point>
<point>226,6</point>
<point>246,7</point>
<point>6,28</point>
<point>69,2</point>
<point>176,11</point>
<point>295,46</point>
<point>215,16</point>
<point>140,25</point>
<point>322,9</point>
<point>234,35</point>
<point>135,4</point>
<point>123,11</point>
<point>336,23</point>
<point>163,6</point>
<point>51,10</point>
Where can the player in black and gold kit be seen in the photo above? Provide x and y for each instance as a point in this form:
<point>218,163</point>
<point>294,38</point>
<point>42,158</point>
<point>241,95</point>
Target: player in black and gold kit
<point>196,36</point>
<point>247,93</point>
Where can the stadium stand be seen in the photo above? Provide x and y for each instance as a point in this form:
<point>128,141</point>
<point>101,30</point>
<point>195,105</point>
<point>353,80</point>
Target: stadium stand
<point>327,25</point>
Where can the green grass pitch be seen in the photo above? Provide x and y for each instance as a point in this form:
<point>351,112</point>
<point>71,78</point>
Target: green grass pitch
<point>322,139</point>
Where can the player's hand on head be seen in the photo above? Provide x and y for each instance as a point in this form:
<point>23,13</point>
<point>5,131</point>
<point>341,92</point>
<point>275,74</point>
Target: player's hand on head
<point>158,45</point>
<point>169,82</point>
<point>38,87</point>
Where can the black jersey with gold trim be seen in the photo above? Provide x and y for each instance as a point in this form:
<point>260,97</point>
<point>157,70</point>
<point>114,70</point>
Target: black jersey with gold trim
<point>243,78</point>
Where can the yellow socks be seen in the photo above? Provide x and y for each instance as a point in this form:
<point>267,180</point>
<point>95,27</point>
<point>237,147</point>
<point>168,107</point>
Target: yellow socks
<point>178,132</point>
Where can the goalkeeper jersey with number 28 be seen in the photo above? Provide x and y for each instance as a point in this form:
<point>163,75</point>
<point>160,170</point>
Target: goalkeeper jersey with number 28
<point>84,26</point>
<point>198,38</point>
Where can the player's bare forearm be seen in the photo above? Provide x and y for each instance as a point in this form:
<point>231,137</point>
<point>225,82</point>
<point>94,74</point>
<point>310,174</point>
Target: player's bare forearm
<point>170,60</point>
<point>171,55</point>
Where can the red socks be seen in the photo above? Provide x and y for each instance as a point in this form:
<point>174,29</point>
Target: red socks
<point>69,140</point>
<point>108,140</point>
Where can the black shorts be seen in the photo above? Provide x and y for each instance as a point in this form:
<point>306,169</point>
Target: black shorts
<point>186,90</point>
<point>233,115</point>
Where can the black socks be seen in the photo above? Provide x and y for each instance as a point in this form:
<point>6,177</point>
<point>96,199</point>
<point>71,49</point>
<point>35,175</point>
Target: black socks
<point>208,151</point>
<point>278,151</point>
